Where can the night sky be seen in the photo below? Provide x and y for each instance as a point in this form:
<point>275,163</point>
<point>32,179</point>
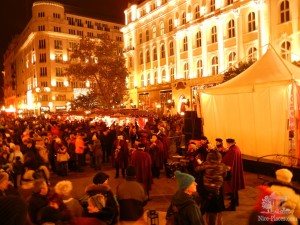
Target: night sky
<point>15,14</point>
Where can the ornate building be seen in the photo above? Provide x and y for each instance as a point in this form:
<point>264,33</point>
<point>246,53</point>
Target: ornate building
<point>176,47</point>
<point>33,63</point>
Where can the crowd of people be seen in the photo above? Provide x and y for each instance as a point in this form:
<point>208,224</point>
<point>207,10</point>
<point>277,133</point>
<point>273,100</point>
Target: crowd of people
<point>33,149</point>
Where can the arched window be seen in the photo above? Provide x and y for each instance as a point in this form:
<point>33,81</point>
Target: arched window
<point>147,56</point>
<point>197,12</point>
<point>214,37</point>
<point>231,29</point>
<point>252,54</point>
<point>198,39</point>
<point>154,54</point>
<point>231,59</point>
<point>162,28</point>
<point>155,78</point>
<point>214,65</point>
<point>142,81</point>
<point>251,22</point>
<point>141,38</point>
<point>284,11</point>
<point>185,43</point>
<point>199,68</point>
<point>149,79</point>
<point>286,50</point>
<point>162,51</point>
<point>147,35</point>
<point>163,76</point>
<point>212,5</point>
<point>186,70</point>
<point>183,18</point>
<point>172,74</point>
<point>141,58</point>
<point>171,48</point>
<point>154,32</point>
<point>170,25</point>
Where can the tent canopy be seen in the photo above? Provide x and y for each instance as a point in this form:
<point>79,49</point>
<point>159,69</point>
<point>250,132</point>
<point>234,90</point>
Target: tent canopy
<point>254,107</point>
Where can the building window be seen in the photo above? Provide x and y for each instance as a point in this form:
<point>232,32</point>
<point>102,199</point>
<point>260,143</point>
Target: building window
<point>147,35</point>
<point>61,98</point>
<point>141,38</point>
<point>171,48</point>
<point>186,71</point>
<point>43,57</point>
<point>212,5</point>
<point>41,14</point>
<point>162,52</point>
<point>43,71</point>
<point>252,54</point>
<point>251,22</point>
<point>59,83</point>
<point>197,12</point>
<point>154,54</point>
<point>72,31</point>
<point>154,32</point>
<point>183,18</point>
<point>231,29</point>
<point>284,11</point>
<point>44,84</point>
<point>147,56</point>
<point>185,43</point>
<point>56,15</point>
<point>57,44</point>
<point>214,65</point>
<point>172,74</point>
<point>155,78</point>
<point>80,33</point>
<point>229,2</point>
<point>214,38</point>
<point>58,58</point>
<point>170,25</point>
<point>199,68</point>
<point>41,28</point>
<point>141,58</point>
<point>286,50</point>
<point>57,29</point>
<point>231,59</point>
<point>90,34</point>
<point>44,98</point>
<point>198,39</point>
<point>162,28</point>
<point>163,76</point>
<point>59,72</point>
<point>149,79</point>
<point>42,44</point>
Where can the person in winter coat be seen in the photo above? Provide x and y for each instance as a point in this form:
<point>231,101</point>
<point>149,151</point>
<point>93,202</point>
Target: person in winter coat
<point>131,197</point>
<point>188,210</point>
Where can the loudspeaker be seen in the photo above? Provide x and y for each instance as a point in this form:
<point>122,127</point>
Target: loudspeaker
<point>192,125</point>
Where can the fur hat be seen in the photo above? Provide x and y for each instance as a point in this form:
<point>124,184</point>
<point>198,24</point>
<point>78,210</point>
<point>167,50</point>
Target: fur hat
<point>100,178</point>
<point>63,187</point>
<point>219,139</point>
<point>230,140</point>
<point>284,175</point>
<point>184,180</point>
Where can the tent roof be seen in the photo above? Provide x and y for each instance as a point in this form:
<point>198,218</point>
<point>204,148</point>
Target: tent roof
<point>269,70</point>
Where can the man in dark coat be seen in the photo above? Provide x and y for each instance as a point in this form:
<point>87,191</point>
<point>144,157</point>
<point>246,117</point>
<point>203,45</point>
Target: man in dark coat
<point>141,160</point>
<point>156,152</point>
<point>233,160</point>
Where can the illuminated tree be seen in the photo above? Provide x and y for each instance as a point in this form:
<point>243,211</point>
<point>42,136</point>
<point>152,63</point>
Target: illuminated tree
<point>100,62</point>
<point>234,71</point>
<point>86,102</point>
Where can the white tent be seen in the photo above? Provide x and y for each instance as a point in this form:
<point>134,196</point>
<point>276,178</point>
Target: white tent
<point>254,107</point>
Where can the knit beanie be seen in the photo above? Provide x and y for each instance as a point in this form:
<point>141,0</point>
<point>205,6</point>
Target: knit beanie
<point>284,175</point>
<point>184,180</point>
<point>100,178</point>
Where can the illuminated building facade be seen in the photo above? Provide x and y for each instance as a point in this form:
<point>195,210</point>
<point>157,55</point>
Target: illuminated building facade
<point>176,47</point>
<point>33,63</point>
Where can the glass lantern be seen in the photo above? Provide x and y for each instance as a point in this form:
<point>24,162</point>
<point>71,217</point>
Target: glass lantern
<point>153,218</point>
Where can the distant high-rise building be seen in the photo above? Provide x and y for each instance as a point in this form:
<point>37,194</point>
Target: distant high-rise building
<point>34,79</point>
<point>176,47</point>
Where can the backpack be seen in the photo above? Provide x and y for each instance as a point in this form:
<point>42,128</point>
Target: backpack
<point>173,217</point>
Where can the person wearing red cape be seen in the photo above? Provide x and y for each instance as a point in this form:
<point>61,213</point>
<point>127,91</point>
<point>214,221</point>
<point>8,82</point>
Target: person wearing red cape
<point>236,182</point>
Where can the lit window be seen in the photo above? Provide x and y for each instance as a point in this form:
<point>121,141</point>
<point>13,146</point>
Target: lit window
<point>251,22</point>
<point>162,52</point>
<point>147,35</point>
<point>186,70</point>
<point>155,78</point>
<point>142,81</point>
<point>212,5</point>
<point>154,32</point>
<point>284,11</point>
<point>172,73</point>
<point>199,68</point>
<point>197,12</point>
<point>214,38</point>
<point>214,65</point>
<point>171,48</point>
<point>141,58</point>
<point>231,59</point>
<point>286,50</point>
<point>185,43</point>
<point>148,79</point>
<point>162,28</point>
<point>252,54</point>
<point>183,18</point>
<point>231,29</point>
<point>141,38</point>
<point>198,39</point>
<point>170,25</point>
<point>147,56</point>
<point>163,76</point>
<point>154,54</point>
